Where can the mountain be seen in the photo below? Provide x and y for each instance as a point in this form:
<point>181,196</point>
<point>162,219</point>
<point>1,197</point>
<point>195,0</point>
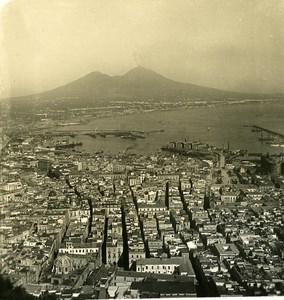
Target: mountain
<point>137,83</point>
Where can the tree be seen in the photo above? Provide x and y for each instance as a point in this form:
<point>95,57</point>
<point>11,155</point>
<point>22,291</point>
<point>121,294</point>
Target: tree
<point>8,292</point>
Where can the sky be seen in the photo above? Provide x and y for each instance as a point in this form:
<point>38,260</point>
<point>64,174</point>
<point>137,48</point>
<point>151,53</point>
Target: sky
<point>228,44</point>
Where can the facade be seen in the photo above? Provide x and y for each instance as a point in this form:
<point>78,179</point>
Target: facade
<point>135,252</point>
<point>175,265</point>
<point>70,247</point>
<point>65,264</point>
<point>228,197</point>
<point>164,289</point>
<point>114,250</point>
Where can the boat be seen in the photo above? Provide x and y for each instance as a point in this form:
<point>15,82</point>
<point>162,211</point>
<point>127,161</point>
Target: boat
<point>69,145</point>
<point>93,135</point>
<point>275,145</point>
<point>128,137</point>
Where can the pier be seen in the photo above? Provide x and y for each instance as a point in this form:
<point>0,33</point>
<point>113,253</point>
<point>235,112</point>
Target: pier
<point>259,128</point>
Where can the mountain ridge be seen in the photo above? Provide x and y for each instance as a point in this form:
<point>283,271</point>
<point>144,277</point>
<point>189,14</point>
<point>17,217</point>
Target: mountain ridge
<point>137,83</point>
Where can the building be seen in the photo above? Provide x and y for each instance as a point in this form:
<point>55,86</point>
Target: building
<point>229,197</point>
<point>164,289</point>
<point>224,251</point>
<point>70,247</point>
<point>114,249</point>
<point>174,265</point>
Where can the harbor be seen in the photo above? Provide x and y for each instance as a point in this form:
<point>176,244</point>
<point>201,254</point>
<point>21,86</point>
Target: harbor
<point>269,131</point>
<point>273,138</point>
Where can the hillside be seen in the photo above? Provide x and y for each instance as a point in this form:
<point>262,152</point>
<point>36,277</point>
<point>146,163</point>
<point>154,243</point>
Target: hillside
<point>137,83</point>
<point>98,90</point>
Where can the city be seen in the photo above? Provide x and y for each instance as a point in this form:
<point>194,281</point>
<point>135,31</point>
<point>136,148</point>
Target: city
<point>192,220</point>
<point>141,149</point>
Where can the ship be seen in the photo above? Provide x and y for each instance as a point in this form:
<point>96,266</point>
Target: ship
<point>93,135</point>
<point>128,137</point>
<point>69,145</point>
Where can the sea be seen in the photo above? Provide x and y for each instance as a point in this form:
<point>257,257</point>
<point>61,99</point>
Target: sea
<point>220,126</point>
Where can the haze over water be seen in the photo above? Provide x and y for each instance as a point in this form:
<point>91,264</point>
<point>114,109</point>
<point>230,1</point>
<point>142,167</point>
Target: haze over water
<point>215,125</point>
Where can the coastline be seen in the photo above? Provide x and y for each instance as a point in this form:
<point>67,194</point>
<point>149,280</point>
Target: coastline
<point>226,124</point>
<point>189,107</point>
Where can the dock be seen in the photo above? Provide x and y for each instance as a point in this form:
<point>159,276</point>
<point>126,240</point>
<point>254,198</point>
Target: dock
<point>272,132</point>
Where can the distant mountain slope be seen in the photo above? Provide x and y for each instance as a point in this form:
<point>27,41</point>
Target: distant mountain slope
<point>96,89</point>
<point>137,83</point>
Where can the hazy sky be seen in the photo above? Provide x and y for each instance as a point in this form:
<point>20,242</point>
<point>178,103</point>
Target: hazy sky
<point>228,44</point>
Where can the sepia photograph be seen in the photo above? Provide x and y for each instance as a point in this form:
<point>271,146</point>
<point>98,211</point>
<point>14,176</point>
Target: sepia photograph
<point>141,149</point>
